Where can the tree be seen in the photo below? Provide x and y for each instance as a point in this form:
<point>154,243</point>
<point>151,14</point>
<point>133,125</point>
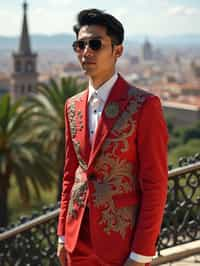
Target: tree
<point>192,132</point>
<point>185,150</point>
<point>49,113</point>
<point>21,155</point>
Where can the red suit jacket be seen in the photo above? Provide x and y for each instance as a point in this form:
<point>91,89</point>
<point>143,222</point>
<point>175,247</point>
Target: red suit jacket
<point>122,177</point>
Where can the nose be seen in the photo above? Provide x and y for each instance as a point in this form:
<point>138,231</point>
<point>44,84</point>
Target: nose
<point>87,50</point>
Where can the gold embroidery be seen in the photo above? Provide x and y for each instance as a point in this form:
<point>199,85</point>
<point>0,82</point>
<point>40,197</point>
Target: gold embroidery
<point>123,129</point>
<point>80,120</point>
<point>116,180</point>
<point>113,219</point>
<point>82,163</point>
<point>125,125</point>
<point>72,121</point>
<point>75,126</point>
<point>112,110</point>
<point>79,189</point>
<point>77,198</point>
<point>118,219</point>
<point>72,114</point>
<point>115,175</point>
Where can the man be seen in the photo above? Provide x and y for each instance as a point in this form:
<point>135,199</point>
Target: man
<point>115,174</point>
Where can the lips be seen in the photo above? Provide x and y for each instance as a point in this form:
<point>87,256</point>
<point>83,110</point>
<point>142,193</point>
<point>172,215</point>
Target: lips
<point>89,63</point>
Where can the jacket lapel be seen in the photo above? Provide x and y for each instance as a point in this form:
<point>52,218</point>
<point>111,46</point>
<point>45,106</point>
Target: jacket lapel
<point>81,138</point>
<point>116,103</point>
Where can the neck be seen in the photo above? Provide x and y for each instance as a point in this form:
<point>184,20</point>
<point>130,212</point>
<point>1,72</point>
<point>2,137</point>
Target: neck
<point>96,82</point>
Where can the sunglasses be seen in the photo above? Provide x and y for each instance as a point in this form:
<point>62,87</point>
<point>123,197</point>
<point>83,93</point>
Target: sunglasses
<point>94,44</point>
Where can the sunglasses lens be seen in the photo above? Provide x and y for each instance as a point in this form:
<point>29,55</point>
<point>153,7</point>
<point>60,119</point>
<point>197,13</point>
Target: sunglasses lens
<point>81,45</point>
<point>78,45</point>
<point>95,44</point>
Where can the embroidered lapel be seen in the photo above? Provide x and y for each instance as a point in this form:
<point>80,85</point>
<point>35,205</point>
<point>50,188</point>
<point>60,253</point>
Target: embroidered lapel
<point>77,114</point>
<point>116,103</point>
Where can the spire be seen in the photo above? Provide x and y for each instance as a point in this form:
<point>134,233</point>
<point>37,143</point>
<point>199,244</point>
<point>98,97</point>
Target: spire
<point>24,47</point>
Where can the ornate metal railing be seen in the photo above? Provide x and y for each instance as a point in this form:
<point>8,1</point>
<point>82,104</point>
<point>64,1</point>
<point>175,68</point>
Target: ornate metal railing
<point>181,222</point>
<point>33,241</point>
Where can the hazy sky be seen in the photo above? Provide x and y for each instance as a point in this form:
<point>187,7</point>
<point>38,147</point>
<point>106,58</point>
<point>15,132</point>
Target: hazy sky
<point>160,17</point>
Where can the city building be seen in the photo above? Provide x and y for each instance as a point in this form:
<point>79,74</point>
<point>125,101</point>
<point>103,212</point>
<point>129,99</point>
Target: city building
<point>147,51</point>
<point>24,76</point>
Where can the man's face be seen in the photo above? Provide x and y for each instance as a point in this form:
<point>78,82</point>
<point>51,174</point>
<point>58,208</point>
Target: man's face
<point>101,62</point>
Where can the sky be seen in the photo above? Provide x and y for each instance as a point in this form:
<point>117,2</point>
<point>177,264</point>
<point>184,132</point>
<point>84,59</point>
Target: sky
<point>146,17</point>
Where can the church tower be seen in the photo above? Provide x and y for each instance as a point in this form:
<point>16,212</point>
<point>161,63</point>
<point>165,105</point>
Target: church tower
<point>24,77</point>
<point>147,51</point>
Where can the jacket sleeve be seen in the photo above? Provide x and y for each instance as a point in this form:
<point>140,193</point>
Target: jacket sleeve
<point>70,167</point>
<point>152,140</point>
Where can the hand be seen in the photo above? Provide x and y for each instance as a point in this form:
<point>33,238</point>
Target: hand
<point>130,262</point>
<point>61,253</point>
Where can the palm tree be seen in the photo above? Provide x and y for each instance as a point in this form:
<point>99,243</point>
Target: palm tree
<point>49,109</point>
<point>21,155</point>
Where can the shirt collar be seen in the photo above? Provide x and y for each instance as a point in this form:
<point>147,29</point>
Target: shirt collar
<point>104,90</point>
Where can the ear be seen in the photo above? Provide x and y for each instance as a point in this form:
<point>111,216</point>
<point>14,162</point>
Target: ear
<point>118,50</point>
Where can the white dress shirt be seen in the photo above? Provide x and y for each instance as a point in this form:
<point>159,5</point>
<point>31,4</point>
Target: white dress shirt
<point>96,101</point>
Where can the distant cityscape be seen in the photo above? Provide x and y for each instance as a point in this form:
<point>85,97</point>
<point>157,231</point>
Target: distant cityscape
<point>170,70</point>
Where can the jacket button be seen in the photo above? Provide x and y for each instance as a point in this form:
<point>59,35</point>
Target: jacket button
<point>91,177</point>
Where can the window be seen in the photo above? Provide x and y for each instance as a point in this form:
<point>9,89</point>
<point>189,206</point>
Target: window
<point>22,89</point>
<point>29,88</point>
<point>17,66</point>
<point>29,67</point>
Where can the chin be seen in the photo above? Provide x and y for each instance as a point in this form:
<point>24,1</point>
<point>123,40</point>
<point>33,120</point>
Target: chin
<point>89,72</point>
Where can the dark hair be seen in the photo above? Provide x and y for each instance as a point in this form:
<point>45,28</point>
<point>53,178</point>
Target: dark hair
<point>114,28</point>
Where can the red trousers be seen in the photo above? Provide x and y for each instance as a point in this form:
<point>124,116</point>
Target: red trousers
<point>84,255</point>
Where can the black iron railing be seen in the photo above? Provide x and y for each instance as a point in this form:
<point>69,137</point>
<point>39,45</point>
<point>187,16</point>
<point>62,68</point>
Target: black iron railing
<point>181,222</point>
<point>33,241</point>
